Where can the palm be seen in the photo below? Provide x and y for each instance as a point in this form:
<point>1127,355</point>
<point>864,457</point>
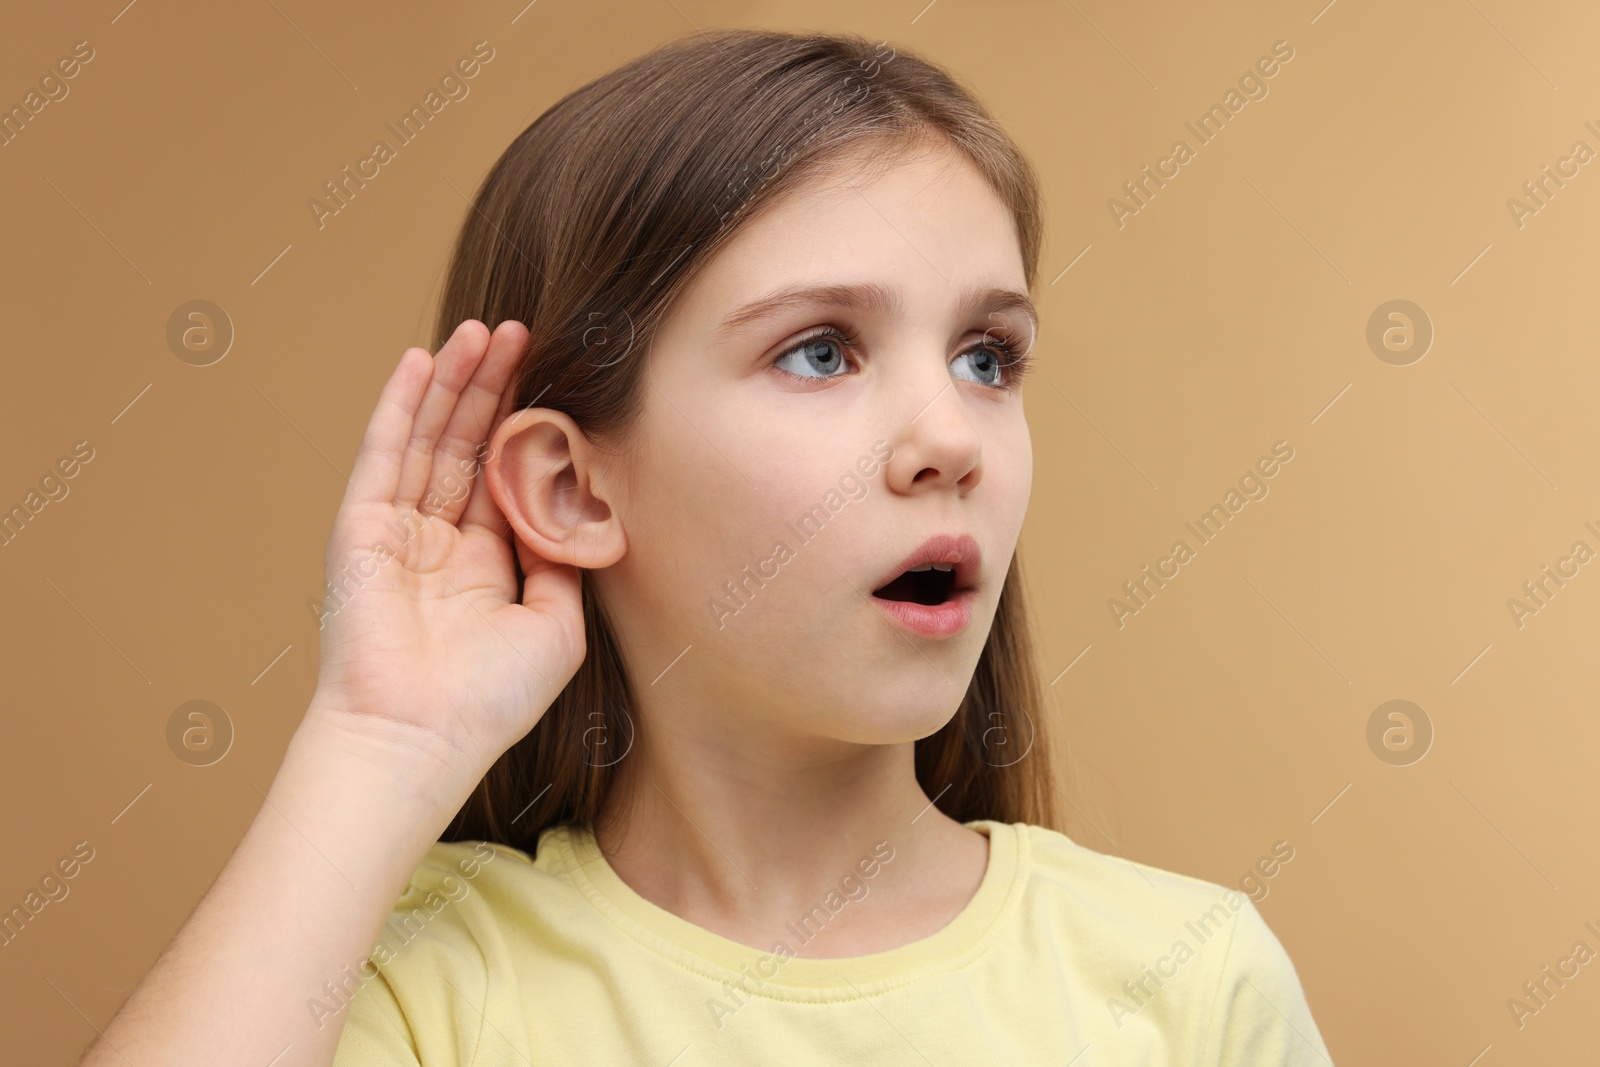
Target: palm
<point>424,631</point>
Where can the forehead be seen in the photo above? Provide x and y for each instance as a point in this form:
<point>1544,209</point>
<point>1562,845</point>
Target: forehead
<point>925,221</point>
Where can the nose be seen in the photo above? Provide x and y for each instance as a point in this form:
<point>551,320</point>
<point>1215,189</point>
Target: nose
<point>936,445</point>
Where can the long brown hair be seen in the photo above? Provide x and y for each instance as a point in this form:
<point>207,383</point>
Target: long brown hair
<point>589,225</point>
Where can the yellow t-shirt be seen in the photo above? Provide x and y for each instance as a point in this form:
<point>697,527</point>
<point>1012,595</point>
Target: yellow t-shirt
<point>1063,956</point>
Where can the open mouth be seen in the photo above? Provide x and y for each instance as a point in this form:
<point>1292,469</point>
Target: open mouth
<point>931,583</point>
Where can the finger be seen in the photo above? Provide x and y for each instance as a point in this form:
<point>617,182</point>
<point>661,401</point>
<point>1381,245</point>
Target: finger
<point>458,358</point>
<point>542,579</point>
<point>553,592</point>
<point>481,507</point>
<point>378,459</point>
<point>458,458</point>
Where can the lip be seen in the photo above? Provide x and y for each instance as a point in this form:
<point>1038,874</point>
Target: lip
<point>952,616</point>
<point>931,620</point>
<point>960,549</point>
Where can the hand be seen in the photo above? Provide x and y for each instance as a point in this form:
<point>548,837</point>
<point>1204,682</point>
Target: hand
<point>423,639</point>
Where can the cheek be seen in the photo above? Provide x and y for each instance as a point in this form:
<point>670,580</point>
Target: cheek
<point>1008,462</point>
<point>706,506</point>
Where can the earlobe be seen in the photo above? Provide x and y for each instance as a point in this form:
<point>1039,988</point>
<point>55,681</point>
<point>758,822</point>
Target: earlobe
<point>544,476</point>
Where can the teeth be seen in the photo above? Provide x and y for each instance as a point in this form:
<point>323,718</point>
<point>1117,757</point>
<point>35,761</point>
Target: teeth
<point>933,567</point>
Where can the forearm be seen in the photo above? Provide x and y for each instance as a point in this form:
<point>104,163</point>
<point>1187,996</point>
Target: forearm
<point>344,825</point>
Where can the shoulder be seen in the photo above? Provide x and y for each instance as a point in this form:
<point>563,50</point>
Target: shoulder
<point>1171,950</point>
<point>440,958</point>
<point>457,893</point>
<point>459,873</point>
<point>464,860</point>
<point>461,887</point>
<point>1119,890</point>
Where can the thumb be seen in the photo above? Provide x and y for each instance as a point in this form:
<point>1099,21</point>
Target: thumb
<point>546,584</point>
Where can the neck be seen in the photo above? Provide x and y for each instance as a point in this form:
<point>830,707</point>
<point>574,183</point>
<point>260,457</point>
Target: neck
<point>745,838</point>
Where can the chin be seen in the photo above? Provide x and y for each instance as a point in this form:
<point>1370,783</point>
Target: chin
<point>893,726</point>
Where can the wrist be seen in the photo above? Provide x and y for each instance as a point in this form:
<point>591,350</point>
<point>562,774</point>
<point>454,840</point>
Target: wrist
<point>392,757</point>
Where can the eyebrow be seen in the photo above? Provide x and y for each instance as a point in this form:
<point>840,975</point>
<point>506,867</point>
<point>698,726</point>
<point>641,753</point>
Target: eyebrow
<point>875,298</point>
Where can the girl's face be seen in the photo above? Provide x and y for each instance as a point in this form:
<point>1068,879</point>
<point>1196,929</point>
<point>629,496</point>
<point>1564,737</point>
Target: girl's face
<point>801,470</point>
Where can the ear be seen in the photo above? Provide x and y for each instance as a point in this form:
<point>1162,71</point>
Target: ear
<point>542,473</point>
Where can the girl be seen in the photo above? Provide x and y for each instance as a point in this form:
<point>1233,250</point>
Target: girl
<point>676,702</point>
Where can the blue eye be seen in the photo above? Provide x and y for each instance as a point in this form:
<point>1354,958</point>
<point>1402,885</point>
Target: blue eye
<point>1004,358</point>
<point>824,350</point>
<point>999,362</point>
<point>986,363</point>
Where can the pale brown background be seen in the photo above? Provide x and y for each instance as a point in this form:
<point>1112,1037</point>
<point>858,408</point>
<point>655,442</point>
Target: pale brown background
<point>1228,314</point>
